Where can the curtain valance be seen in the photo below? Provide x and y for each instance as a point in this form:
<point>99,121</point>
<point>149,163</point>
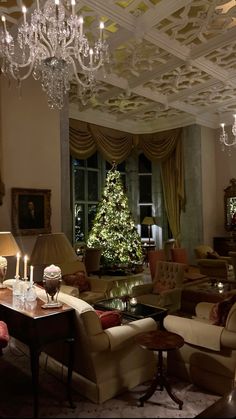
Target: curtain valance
<point>114,145</point>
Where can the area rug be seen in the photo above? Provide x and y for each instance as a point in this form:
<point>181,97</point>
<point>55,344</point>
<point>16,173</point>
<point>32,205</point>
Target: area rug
<point>16,396</point>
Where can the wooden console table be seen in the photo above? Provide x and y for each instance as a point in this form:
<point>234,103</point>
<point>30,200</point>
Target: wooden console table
<point>34,326</point>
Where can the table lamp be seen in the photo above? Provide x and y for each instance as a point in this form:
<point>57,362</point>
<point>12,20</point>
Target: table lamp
<point>8,247</point>
<point>149,221</point>
<point>52,249</point>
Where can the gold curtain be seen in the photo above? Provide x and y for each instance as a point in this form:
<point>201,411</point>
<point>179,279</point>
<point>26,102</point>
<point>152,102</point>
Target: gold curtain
<point>114,145</point>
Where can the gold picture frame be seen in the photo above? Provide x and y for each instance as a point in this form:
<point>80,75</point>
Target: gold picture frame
<point>31,211</point>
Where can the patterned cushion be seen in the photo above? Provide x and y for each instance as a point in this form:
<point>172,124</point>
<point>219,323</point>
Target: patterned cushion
<point>109,318</point>
<point>220,311</point>
<point>213,255</point>
<point>78,279</point>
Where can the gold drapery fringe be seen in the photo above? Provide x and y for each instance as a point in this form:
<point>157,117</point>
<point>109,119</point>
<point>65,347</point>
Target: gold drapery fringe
<point>164,147</point>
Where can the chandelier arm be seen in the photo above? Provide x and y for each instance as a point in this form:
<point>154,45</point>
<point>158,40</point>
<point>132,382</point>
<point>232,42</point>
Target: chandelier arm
<point>90,69</point>
<point>47,44</point>
<point>79,81</point>
<point>23,77</point>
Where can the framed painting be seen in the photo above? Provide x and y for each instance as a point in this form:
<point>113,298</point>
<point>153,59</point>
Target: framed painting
<point>31,211</point>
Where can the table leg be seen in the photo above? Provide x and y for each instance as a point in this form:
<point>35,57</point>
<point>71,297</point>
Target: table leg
<point>70,370</point>
<point>163,383</point>
<point>34,360</point>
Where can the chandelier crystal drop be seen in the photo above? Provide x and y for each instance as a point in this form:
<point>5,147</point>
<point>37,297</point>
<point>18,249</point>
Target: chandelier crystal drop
<point>228,141</point>
<point>54,49</point>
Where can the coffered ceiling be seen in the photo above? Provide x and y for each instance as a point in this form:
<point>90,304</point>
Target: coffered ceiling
<point>172,63</point>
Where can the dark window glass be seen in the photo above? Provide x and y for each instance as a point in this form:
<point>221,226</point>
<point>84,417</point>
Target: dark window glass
<point>92,186</point>
<point>92,209</point>
<point>79,163</point>
<point>144,164</point>
<point>145,188</point>
<point>120,167</point>
<point>79,185</point>
<point>93,161</point>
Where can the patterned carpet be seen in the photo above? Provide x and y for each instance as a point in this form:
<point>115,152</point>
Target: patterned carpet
<point>16,396</point>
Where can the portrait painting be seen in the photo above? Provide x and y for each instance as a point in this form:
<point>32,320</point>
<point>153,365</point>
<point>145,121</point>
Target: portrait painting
<point>31,211</point>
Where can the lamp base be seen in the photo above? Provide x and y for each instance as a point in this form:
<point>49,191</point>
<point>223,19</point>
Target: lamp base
<point>54,304</point>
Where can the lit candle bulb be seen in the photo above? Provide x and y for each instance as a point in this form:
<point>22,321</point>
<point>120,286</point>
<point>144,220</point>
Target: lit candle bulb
<point>73,7</point>
<point>25,266</point>
<point>24,13</point>
<point>101,29</point>
<point>81,21</point>
<point>91,56</point>
<point>4,23</point>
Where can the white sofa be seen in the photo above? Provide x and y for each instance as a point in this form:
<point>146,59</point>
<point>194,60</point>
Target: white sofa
<point>208,357</point>
<point>107,362</point>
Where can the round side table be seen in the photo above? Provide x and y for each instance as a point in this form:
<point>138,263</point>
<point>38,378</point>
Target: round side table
<point>160,340</point>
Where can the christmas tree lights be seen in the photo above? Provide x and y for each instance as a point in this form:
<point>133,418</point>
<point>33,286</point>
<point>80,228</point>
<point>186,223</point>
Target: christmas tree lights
<point>114,229</point>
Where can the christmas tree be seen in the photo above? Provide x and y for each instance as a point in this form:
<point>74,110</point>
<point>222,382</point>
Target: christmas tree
<point>114,230</point>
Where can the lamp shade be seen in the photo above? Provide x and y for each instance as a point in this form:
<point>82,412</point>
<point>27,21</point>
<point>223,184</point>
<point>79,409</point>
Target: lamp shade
<point>53,248</point>
<point>8,245</point>
<point>149,221</point>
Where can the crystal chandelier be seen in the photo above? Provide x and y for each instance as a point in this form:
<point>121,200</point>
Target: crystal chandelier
<point>227,142</point>
<point>53,48</point>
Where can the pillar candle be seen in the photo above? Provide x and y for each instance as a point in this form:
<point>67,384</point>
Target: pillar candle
<point>31,275</point>
<point>17,264</point>
<point>25,266</point>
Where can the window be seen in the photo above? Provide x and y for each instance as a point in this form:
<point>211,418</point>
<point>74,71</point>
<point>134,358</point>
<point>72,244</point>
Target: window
<point>142,182</point>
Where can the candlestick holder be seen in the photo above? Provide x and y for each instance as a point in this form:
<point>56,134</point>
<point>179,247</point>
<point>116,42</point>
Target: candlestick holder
<point>17,286</point>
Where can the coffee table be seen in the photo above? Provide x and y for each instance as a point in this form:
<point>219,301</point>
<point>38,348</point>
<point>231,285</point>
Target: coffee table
<point>139,311</point>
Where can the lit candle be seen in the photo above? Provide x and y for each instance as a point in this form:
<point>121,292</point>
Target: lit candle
<point>91,56</point>
<point>81,21</point>
<point>4,23</point>
<point>31,275</point>
<point>73,7</point>
<point>25,266</point>
<point>17,264</point>
<point>37,4</point>
<point>24,13</point>
<point>101,29</point>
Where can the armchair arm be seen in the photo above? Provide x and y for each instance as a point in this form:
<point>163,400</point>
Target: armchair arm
<point>227,259</point>
<point>119,335</point>
<point>203,310</point>
<point>212,262</point>
<point>141,289</point>
<point>68,289</point>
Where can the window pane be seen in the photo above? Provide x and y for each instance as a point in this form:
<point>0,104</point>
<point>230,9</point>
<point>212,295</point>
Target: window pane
<point>145,188</point>
<point>93,161</point>
<point>145,211</point>
<point>120,167</point>
<point>144,164</point>
<point>79,185</point>
<point>78,163</point>
<point>92,186</point>
<point>92,209</point>
<point>79,222</point>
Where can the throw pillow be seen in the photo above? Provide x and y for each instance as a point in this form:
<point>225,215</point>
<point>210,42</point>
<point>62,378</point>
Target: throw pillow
<point>219,312</point>
<point>78,279</point>
<point>109,318</point>
<point>213,255</point>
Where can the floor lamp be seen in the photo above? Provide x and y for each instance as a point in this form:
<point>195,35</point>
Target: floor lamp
<point>149,221</point>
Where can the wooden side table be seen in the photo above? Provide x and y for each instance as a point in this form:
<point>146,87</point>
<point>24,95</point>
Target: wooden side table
<point>160,340</point>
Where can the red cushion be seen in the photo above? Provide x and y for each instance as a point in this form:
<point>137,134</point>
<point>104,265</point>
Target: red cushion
<point>109,318</point>
<point>4,335</point>
<point>78,279</point>
<point>219,312</point>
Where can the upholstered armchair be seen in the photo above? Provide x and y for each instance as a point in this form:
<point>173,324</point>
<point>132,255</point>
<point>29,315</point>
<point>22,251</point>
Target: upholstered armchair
<point>213,265</point>
<point>76,282</point>
<point>92,257</point>
<point>165,290</point>
<point>153,256</point>
<point>208,357</point>
<point>106,361</point>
